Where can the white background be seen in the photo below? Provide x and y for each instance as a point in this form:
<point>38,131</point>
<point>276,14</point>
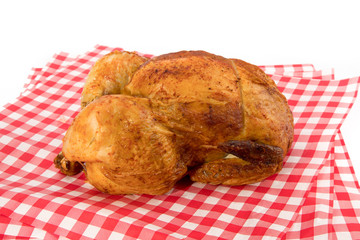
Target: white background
<point>324,33</point>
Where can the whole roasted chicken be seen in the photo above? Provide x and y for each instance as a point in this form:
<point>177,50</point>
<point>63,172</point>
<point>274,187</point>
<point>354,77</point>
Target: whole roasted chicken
<point>146,123</point>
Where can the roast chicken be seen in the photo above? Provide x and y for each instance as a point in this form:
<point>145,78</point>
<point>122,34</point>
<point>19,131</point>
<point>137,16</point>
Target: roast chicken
<point>147,123</point>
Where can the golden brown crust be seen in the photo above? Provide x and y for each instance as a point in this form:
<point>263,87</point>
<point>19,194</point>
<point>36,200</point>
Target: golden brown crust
<point>254,162</point>
<point>184,109</point>
<point>67,167</point>
<point>189,54</point>
<point>261,76</point>
<point>267,116</point>
<point>124,145</point>
<point>110,74</point>
<point>252,151</point>
<point>186,77</point>
<point>197,96</point>
<point>234,171</point>
<point>215,80</point>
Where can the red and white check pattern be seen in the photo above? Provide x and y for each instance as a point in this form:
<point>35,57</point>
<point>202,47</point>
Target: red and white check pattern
<point>318,217</point>
<point>331,209</point>
<point>34,194</point>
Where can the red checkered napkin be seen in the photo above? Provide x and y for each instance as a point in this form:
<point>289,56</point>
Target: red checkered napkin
<point>32,192</point>
<point>293,70</point>
<point>318,217</point>
<point>346,206</point>
<point>332,207</point>
<point>299,71</point>
<point>10,229</point>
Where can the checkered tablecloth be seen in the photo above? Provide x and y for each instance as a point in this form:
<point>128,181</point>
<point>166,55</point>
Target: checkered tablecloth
<point>315,195</point>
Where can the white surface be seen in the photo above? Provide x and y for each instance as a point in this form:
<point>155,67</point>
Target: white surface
<point>324,33</point>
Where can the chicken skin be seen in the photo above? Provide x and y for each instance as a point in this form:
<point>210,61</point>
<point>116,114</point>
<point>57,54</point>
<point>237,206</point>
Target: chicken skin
<point>218,100</point>
<point>127,150</point>
<point>219,120</point>
<point>109,75</point>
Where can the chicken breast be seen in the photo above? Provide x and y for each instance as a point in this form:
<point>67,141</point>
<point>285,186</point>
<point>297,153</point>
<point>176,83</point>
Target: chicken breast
<point>209,101</point>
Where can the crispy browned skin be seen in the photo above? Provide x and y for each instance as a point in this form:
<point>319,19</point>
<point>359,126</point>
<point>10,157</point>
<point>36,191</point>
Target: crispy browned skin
<point>199,99</point>
<point>252,151</point>
<point>110,74</point>
<point>184,111</point>
<point>254,162</point>
<point>209,100</point>
<point>127,150</point>
<point>67,167</point>
<point>267,116</point>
